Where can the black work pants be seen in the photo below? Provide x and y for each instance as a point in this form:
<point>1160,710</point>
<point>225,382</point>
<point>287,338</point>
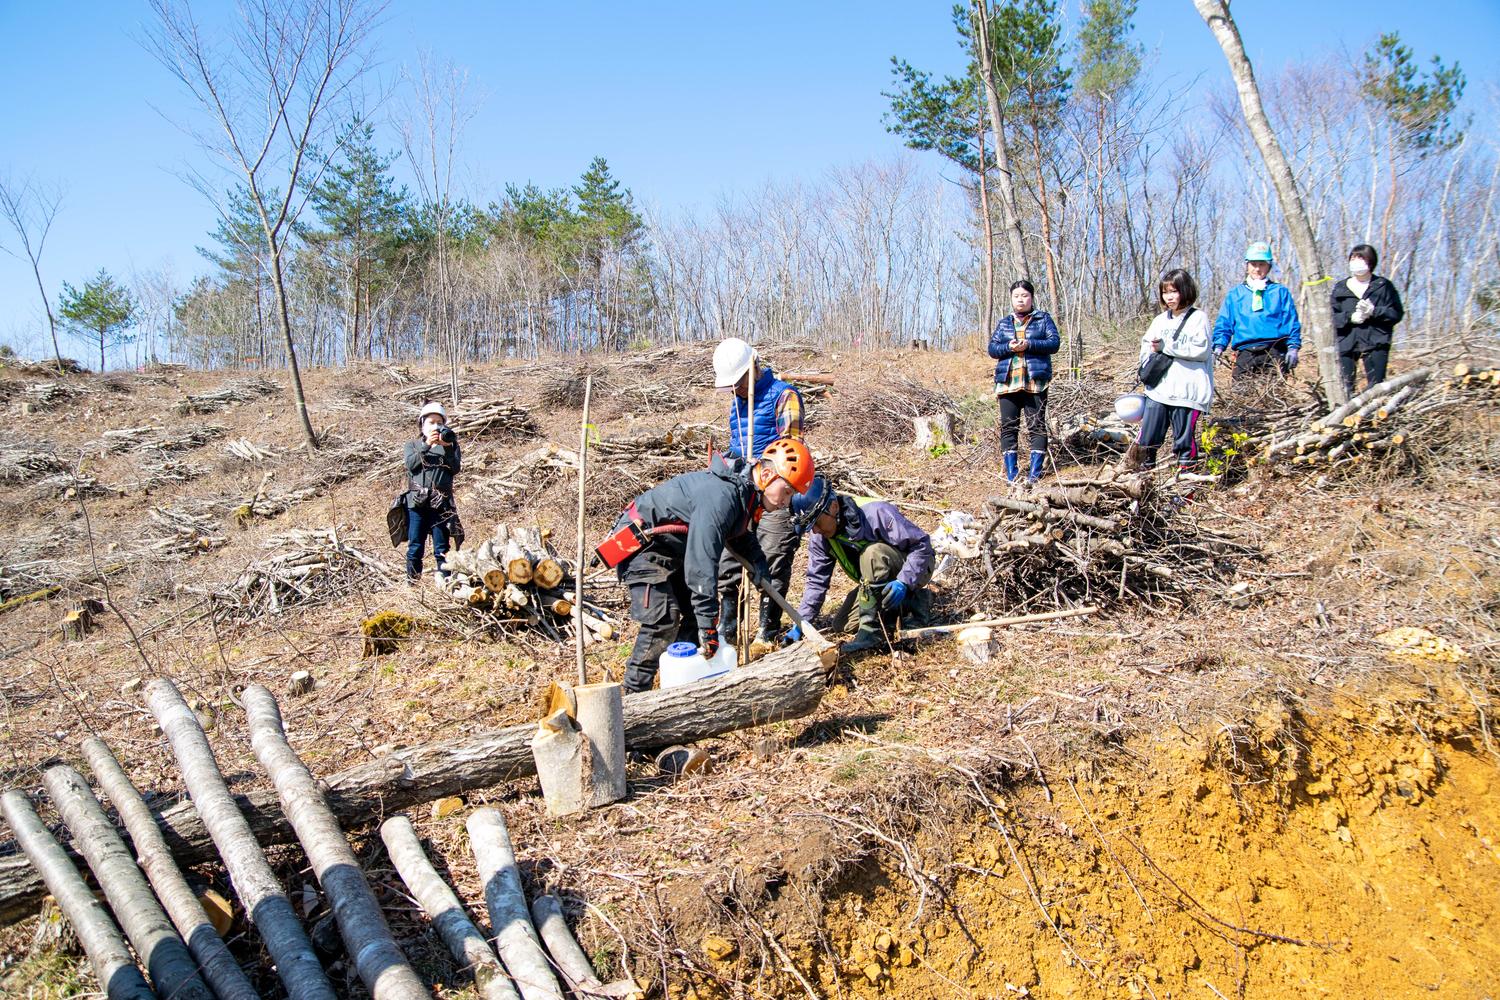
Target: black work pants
<point>1375,360</point>
<point>778,541</point>
<point>1184,423</point>
<point>1034,406</point>
<point>1264,358</point>
<point>664,611</point>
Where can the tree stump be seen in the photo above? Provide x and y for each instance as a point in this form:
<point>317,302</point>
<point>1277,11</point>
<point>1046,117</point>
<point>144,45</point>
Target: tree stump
<point>934,430</point>
<point>79,622</point>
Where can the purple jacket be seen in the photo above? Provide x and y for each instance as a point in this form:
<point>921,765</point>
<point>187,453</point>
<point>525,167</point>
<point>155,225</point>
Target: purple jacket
<point>859,528</point>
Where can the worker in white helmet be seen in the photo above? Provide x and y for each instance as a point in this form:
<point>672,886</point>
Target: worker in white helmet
<point>432,460</point>
<point>763,409</point>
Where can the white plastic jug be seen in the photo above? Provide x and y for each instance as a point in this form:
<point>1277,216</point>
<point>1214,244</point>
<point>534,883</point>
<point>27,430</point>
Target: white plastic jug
<point>681,664</point>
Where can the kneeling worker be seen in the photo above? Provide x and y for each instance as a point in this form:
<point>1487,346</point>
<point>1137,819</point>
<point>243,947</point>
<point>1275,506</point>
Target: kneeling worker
<point>884,553</point>
<point>667,544</point>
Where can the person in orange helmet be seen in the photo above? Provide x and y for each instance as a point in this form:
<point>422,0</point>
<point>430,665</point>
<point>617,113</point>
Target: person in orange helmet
<point>667,544</point>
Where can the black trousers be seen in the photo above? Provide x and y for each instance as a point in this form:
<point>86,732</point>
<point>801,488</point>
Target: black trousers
<point>664,611</point>
<point>779,541</point>
<point>1184,423</point>
<point>1034,406</point>
<point>1375,359</point>
<point>1267,357</point>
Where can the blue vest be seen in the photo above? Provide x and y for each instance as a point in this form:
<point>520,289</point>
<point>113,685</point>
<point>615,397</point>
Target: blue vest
<point>768,389</point>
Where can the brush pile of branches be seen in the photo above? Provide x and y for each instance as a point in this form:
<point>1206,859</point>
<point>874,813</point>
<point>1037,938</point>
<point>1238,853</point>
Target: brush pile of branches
<point>305,568</point>
<point>182,533</point>
<point>495,418</point>
<point>516,579</point>
<point>20,462</point>
<point>46,394</point>
<point>883,416</point>
<point>418,393</point>
<point>1098,542</point>
<point>152,438</point>
<point>239,391</point>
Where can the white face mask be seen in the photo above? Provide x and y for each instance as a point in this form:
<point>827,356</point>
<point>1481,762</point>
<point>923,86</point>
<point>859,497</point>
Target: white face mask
<point>1358,268</point>
<point>431,424</point>
<point>1258,284</point>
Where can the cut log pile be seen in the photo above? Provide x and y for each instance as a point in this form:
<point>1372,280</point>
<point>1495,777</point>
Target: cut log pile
<point>422,392</point>
<point>239,391</point>
<point>1095,542</point>
<point>45,394</point>
<point>248,451</point>
<point>308,567</point>
<point>515,578</point>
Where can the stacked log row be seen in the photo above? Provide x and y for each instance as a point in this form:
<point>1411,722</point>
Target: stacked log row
<point>518,577</point>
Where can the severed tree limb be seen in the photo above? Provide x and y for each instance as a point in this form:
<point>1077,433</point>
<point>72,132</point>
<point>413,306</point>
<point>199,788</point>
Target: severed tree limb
<point>515,938</point>
<point>577,971</point>
<point>367,938</point>
<point>785,684</point>
<point>444,909</point>
<point>223,973</point>
<point>101,939</point>
<point>168,962</point>
<point>260,892</point>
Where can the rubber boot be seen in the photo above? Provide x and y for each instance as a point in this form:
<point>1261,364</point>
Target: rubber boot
<point>869,635</point>
<point>1012,469</point>
<point>1038,461</point>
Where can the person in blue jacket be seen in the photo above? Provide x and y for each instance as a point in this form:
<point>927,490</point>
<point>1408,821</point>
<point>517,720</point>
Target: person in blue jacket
<point>888,557</point>
<point>1258,320</point>
<point>1022,345</point>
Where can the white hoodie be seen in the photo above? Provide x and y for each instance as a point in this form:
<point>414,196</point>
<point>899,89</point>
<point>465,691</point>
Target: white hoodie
<point>1190,380</point>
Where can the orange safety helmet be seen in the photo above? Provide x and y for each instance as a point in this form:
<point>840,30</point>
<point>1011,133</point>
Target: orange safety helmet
<point>788,458</point>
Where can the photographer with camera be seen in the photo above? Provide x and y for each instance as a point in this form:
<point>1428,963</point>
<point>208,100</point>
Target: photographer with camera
<point>432,460</point>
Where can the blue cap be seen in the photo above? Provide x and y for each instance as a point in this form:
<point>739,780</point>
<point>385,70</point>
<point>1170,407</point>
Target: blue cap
<point>681,649</point>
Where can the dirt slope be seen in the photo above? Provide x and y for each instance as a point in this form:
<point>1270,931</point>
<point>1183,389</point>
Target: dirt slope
<point>1273,761</point>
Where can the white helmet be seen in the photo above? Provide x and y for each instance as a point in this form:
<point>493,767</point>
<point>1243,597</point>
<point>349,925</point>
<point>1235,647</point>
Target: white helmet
<point>1131,407</point>
<point>732,359</point>
<point>430,409</point>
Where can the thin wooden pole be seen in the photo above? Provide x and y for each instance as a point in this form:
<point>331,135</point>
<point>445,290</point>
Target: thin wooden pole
<point>1045,616</point>
<point>583,470</point>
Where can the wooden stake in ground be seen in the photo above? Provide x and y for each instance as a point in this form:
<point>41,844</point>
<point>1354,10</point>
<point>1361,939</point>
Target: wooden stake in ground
<point>444,909</point>
<point>515,938</point>
<point>367,939</point>
<point>260,892</point>
<point>583,472</point>
<point>101,939</point>
<point>223,973</point>
<point>167,959</point>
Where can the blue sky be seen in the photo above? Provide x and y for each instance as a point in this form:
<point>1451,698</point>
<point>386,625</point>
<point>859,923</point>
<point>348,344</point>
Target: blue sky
<point>685,100</point>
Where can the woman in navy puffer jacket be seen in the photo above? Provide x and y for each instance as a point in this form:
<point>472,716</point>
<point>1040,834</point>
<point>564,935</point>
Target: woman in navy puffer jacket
<point>1023,344</point>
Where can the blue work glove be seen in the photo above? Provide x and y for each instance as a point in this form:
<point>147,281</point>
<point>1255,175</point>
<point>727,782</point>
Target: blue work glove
<point>1291,358</point>
<point>793,634</point>
<point>895,595</point>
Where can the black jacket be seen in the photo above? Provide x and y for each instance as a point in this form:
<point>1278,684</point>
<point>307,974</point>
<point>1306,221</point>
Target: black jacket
<point>432,467</point>
<point>715,504</point>
<point>1373,332</point>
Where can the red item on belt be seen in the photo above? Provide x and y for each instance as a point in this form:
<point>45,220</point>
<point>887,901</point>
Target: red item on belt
<point>633,536</point>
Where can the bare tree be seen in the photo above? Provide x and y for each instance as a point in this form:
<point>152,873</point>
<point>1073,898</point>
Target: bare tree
<point>268,91</point>
<point>430,133</point>
<point>1215,14</point>
<point>30,210</point>
<point>982,52</point>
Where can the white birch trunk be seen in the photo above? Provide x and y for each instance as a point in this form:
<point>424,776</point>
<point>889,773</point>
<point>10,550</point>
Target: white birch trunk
<point>101,939</point>
<point>223,973</point>
<point>260,892</point>
<point>515,938</point>
<point>371,947</point>
<point>444,909</point>
<point>168,962</point>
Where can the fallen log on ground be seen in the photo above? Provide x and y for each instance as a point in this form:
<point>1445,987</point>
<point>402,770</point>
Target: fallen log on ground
<point>786,684</point>
<point>219,967</point>
<point>367,939</point>
<point>101,939</point>
<point>515,939</point>
<point>170,965</point>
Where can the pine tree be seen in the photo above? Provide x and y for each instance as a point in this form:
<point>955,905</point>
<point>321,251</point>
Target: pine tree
<point>100,312</point>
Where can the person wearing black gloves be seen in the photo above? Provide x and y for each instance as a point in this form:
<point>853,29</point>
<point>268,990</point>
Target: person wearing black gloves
<point>432,460</point>
<point>1366,309</point>
<point>667,544</point>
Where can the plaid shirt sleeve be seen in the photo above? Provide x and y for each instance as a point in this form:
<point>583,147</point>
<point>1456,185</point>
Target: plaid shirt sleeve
<point>789,414</point>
